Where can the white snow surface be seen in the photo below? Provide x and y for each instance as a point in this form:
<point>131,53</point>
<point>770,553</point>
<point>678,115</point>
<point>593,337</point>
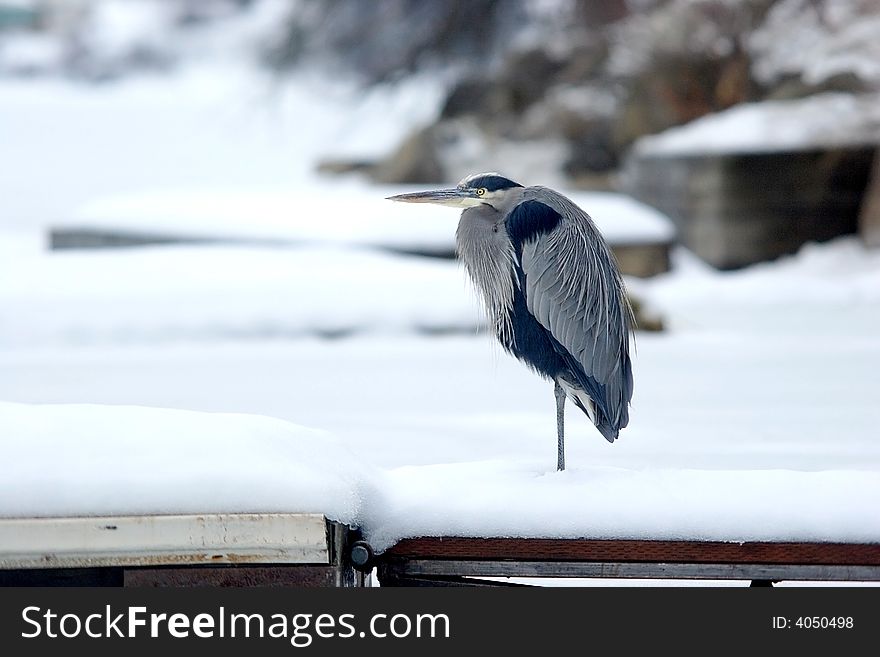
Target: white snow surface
<point>81,459</point>
<point>754,418</point>
<point>184,292</point>
<point>67,460</point>
<point>209,126</point>
<point>823,120</point>
<point>180,379</point>
<point>350,215</point>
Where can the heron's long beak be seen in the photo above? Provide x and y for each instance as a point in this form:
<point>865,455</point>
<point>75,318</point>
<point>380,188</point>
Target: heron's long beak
<point>453,197</point>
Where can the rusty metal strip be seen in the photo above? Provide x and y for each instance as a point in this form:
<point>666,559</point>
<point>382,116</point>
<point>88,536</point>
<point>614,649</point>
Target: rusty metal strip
<point>636,551</point>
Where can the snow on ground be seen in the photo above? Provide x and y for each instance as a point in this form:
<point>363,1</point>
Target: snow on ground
<point>185,292</point>
<point>823,120</point>
<point>825,290</point>
<point>319,279</point>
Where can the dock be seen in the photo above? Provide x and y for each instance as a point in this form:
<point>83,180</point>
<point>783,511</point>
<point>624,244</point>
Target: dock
<point>308,550</point>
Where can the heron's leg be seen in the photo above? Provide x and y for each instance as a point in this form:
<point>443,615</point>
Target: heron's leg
<point>560,425</point>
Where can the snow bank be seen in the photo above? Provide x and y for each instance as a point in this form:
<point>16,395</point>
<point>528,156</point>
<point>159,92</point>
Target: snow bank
<point>830,289</point>
<point>102,460</point>
<point>824,120</point>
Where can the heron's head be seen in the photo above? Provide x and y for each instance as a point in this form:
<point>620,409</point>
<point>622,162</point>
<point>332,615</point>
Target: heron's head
<point>479,189</point>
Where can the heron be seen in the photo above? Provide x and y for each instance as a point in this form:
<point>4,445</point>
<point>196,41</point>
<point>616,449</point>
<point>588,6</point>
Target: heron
<point>552,291</point>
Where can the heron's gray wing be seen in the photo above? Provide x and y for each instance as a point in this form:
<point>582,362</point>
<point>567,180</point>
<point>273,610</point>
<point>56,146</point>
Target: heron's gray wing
<point>573,288</point>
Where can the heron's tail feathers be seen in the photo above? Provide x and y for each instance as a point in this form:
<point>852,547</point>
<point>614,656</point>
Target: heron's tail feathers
<point>583,401</point>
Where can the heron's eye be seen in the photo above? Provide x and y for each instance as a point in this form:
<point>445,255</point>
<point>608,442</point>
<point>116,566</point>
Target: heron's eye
<point>481,191</point>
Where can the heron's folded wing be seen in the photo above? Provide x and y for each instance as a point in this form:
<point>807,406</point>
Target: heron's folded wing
<point>573,288</point>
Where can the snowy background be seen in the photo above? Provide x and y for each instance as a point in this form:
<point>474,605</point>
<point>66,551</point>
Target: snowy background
<point>755,414</point>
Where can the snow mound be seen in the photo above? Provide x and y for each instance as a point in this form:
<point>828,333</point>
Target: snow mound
<point>515,500</point>
<point>82,459</point>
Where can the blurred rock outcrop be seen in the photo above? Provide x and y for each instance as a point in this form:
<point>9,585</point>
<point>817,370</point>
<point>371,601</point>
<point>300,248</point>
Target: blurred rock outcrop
<point>385,39</point>
<point>587,79</point>
<point>591,76</point>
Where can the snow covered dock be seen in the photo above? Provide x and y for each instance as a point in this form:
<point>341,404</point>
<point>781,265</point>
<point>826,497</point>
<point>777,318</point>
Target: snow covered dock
<point>65,462</point>
<point>640,235</point>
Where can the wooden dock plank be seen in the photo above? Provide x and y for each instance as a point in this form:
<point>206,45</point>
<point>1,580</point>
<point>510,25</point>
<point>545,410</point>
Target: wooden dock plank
<point>423,561</point>
<point>539,549</point>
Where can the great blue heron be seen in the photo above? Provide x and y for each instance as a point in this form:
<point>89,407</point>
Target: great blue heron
<point>552,291</point>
